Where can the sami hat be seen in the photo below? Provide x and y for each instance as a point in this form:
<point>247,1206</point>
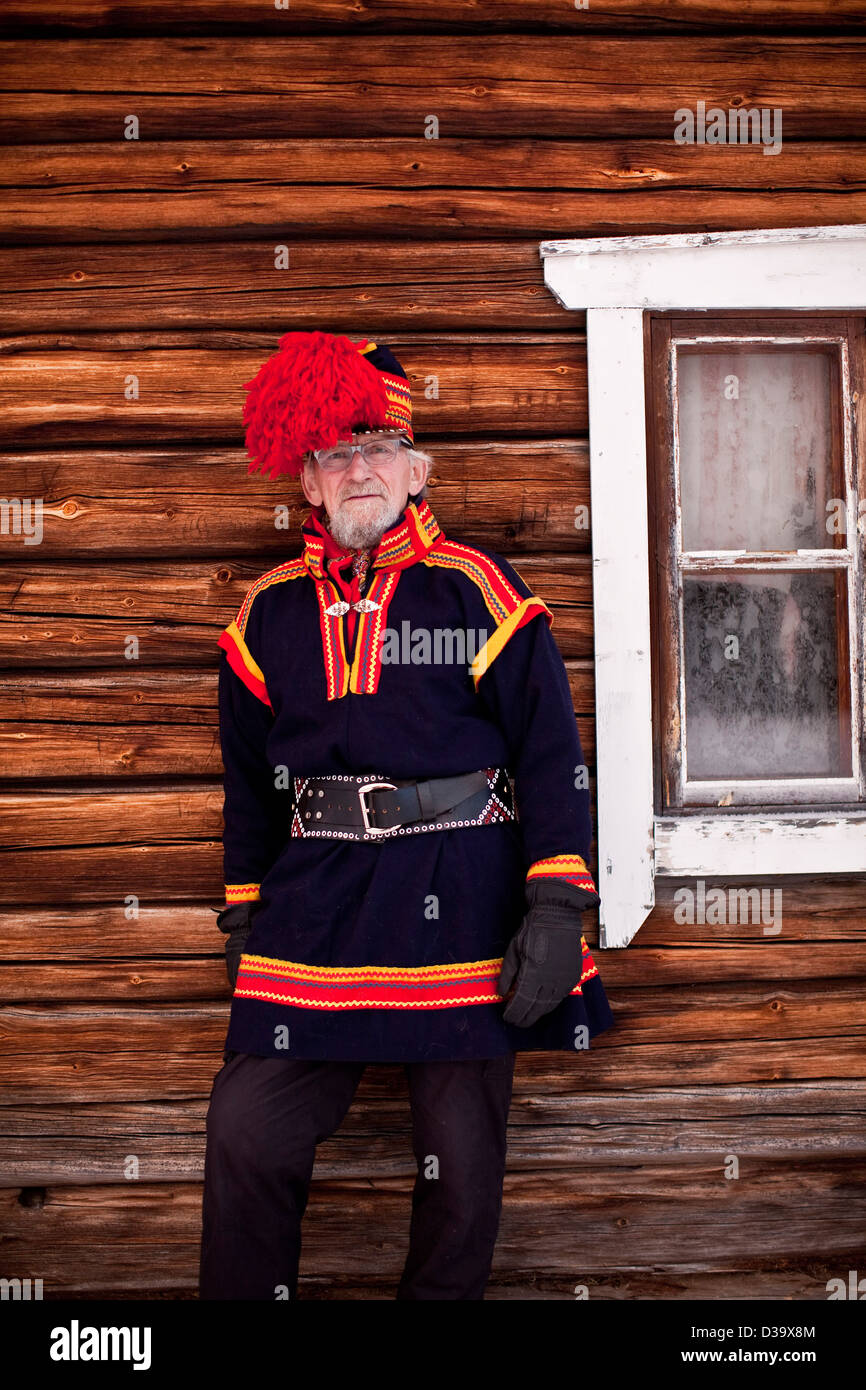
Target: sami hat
<point>316,389</point>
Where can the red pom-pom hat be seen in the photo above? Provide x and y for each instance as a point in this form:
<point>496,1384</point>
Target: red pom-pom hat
<point>316,389</point>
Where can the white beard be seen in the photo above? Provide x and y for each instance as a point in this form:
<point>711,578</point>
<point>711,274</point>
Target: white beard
<point>361,525</point>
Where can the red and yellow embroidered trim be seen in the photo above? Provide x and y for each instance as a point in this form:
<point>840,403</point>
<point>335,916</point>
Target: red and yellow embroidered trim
<point>493,646</point>
<point>568,866</point>
<point>397,390</point>
<point>399,547</point>
<point>506,606</point>
<point>367,665</point>
<point>410,540</point>
<point>362,677</point>
<point>232,639</point>
<point>379,986</point>
<point>290,569</point>
<point>242,662</point>
<point>333,646</point>
<point>242,892</point>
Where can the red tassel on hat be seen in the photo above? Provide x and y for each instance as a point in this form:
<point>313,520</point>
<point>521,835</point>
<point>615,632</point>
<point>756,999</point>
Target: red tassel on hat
<point>314,390</point>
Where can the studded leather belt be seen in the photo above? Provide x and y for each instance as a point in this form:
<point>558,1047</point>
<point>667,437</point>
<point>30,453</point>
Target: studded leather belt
<point>372,807</point>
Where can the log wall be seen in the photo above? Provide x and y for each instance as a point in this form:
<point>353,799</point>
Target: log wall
<point>156,259</point>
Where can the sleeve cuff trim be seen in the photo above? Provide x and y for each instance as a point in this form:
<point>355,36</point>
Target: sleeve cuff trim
<point>568,866</point>
<point>242,893</point>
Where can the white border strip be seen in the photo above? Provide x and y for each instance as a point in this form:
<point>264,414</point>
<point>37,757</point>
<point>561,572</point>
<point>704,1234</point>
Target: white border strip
<point>620,599</point>
<point>790,268</point>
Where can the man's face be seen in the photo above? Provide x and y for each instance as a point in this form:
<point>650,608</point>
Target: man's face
<point>364,499</point>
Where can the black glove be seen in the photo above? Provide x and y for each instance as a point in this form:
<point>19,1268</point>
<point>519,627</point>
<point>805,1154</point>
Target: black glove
<point>236,922</point>
<point>545,956</point>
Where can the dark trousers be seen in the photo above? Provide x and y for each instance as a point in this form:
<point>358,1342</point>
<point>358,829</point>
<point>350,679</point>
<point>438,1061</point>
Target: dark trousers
<point>265,1118</point>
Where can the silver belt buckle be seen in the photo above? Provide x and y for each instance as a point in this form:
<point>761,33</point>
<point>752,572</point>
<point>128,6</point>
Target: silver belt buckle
<point>375,787</point>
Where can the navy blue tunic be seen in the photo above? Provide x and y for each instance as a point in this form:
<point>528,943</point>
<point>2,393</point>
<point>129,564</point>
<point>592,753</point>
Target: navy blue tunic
<point>390,950</point>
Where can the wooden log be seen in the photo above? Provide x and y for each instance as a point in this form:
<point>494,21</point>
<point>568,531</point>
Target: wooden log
<point>615,1219</point>
<point>713,1011</point>
<point>95,932</point>
<point>89,1076</point>
<point>798,1111</point>
<point>296,189</point>
<point>804,1280</point>
<point>525,495</point>
<point>155,814</point>
<point>110,816</point>
<point>89,1143</point>
<point>531,386</point>
<point>160,600</point>
<point>29,750</point>
<point>202,593</point>
<point>184,872</point>
<point>570,86</point>
<point>167,695</point>
<point>829,910</point>
<point>809,1283</point>
<point>352,286</point>
<point>62,641</point>
<point>204,978</point>
<point>385,16</point>
<point>65,641</point>
<point>425,213</point>
<point>101,168</point>
<point>46,751</point>
<point>156,695</point>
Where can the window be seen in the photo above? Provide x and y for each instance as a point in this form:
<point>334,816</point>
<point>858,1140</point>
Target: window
<point>753,496</point>
<point>728,512</point>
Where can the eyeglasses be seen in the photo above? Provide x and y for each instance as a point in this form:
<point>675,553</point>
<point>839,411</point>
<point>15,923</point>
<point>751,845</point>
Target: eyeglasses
<point>338,458</point>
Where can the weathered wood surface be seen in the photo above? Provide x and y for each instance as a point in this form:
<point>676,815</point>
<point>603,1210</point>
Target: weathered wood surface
<point>101,169</point>
<point>832,910</point>
<point>718,1004</point>
<point>150,978</point>
<point>157,256</point>
<point>771,1280</point>
<point>30,750</point>
<point>177,611</point>
<point>353,286</point>
<point>89,1142</point>
<point>88,1076</point>
<point>199,392</point>
<point>569,86</point>
<point>455,214</point>
<point>610,1220</point>
<point>162,695</point>
<point>382,16</point>
<point>506,494</point>
<point>174,190</point>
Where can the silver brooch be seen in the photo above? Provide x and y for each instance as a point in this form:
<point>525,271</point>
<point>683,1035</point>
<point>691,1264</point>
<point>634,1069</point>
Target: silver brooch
<point>364,605</point>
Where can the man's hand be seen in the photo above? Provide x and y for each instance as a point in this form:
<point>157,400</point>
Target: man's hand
<point>545,956</point>
<point>236,922</point>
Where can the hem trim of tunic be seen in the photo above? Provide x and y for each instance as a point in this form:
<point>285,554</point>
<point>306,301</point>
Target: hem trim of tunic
<point>379,986</point>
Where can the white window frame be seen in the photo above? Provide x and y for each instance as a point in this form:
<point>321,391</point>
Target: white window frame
<point>617,280</point>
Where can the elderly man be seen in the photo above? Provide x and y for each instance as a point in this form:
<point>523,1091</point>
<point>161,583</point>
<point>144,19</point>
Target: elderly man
<point>407,831</point>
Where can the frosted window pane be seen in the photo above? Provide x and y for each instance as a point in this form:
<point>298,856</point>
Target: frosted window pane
<point>768,707</point>
<point>755,469</point>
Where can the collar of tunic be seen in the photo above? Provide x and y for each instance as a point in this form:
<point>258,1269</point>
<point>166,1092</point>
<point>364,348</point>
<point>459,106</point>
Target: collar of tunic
<point>406,542</point>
